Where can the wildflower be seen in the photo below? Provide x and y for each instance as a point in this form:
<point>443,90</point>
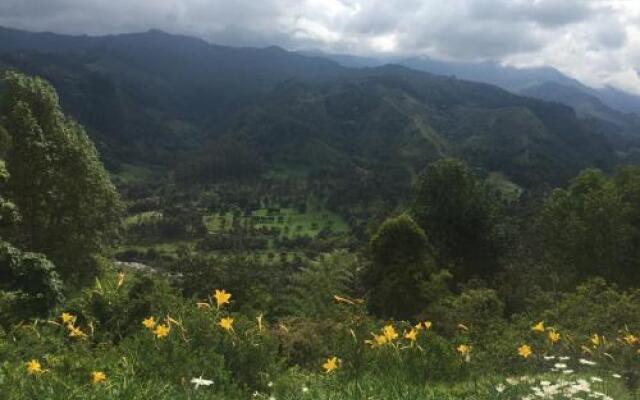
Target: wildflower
<point>500,388</point>
<point>162,331</point>
<point>226,323</point>
<point>630,339</point>
<point>464,349</point>
<point>97,377</point>
<point>75,332</point>
<point>222,297</point>
<point>595,340</point>
<point>560,365</point>
<point>586,362</point>
<point>539,327</point>
<point>201,382</point>
<point>34,367</point>
<point>305,389</point>
<point>330,365</point>
<point>68,318</point>
<point>149,322</point>
<point>596,379</point>
<point>554,336</point>
<point>525,351</point>
<point>423,325</point>
<point>412,335</point>
<point>568,371</point>
<point>617,376</point>
<point>120,279</point>
<point>389,333</point>
<point>378,340</point>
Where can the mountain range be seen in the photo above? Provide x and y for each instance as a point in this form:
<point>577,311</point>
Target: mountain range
<point>180,103</point>
<point>616,111</point>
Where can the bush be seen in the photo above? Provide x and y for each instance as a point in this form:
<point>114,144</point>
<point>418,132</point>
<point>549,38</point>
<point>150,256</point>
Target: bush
<point>116,304</point>
<point>29,284</point>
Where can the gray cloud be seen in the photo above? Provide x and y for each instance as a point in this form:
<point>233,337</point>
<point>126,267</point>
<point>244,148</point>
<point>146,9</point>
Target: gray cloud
<point>561,33</point>
<point>547,13</point>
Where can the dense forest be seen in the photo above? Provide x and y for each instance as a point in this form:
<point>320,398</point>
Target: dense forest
<point>186,221</point>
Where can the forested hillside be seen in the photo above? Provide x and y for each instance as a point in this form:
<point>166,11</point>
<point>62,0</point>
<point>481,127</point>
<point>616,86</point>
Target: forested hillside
<point>180,220</point>
<point>155,98</point>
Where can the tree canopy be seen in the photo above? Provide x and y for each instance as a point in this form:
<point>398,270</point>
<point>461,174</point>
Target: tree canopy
<point>592,227</point>
<point>402,262</point>
<point>69,208</point>
<point>458,214</point>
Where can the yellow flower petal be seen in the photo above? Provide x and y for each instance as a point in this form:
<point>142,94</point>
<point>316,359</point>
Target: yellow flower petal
<point>226,323</point>
<point>34,367</point>
<point>330,365</point>
<point>525,351</point>
<point>222,297</point>
<point>97,377</point>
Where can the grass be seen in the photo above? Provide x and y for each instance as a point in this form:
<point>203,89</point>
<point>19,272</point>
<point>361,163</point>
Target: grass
<point>290,221</point>
<point>247,361</point>
<point>143,217</point>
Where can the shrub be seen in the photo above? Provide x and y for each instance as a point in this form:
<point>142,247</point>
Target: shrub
<point>29,284</point>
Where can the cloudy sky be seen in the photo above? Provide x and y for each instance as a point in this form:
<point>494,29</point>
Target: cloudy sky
<point>596,41</point>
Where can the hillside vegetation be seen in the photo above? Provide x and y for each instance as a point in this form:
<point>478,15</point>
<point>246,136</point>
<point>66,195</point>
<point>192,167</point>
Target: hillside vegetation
<point>271,226</point>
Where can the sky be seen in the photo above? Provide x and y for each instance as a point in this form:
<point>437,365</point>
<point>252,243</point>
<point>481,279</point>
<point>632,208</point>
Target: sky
<point>595,41</point>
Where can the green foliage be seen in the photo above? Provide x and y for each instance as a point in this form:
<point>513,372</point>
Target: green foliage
<point>116,304</point>
<point>5,142</point>
<point>598,307</point>
<point>9,214</point>
<point>29,284</point>
<point>402,261</point>
<point>459,216</point>
<point>69,207</point>
<point>477,309</point>
<point>334,157</point>
<point>313,287</point>
<point>591,228</point>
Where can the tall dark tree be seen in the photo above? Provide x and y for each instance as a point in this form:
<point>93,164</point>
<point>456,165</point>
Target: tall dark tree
<point>402,263</point>
<point>458,214</point>
<point>69,207</point>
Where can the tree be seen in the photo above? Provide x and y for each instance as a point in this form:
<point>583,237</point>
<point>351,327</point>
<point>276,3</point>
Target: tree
<point>591,228</point>
<point>458,214</point>
<point>69,207</point>
<point>401,264</point>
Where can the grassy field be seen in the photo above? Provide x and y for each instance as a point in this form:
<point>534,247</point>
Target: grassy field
<point>288,222</point>
<point>291,222</point>
<point>143,217</point>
